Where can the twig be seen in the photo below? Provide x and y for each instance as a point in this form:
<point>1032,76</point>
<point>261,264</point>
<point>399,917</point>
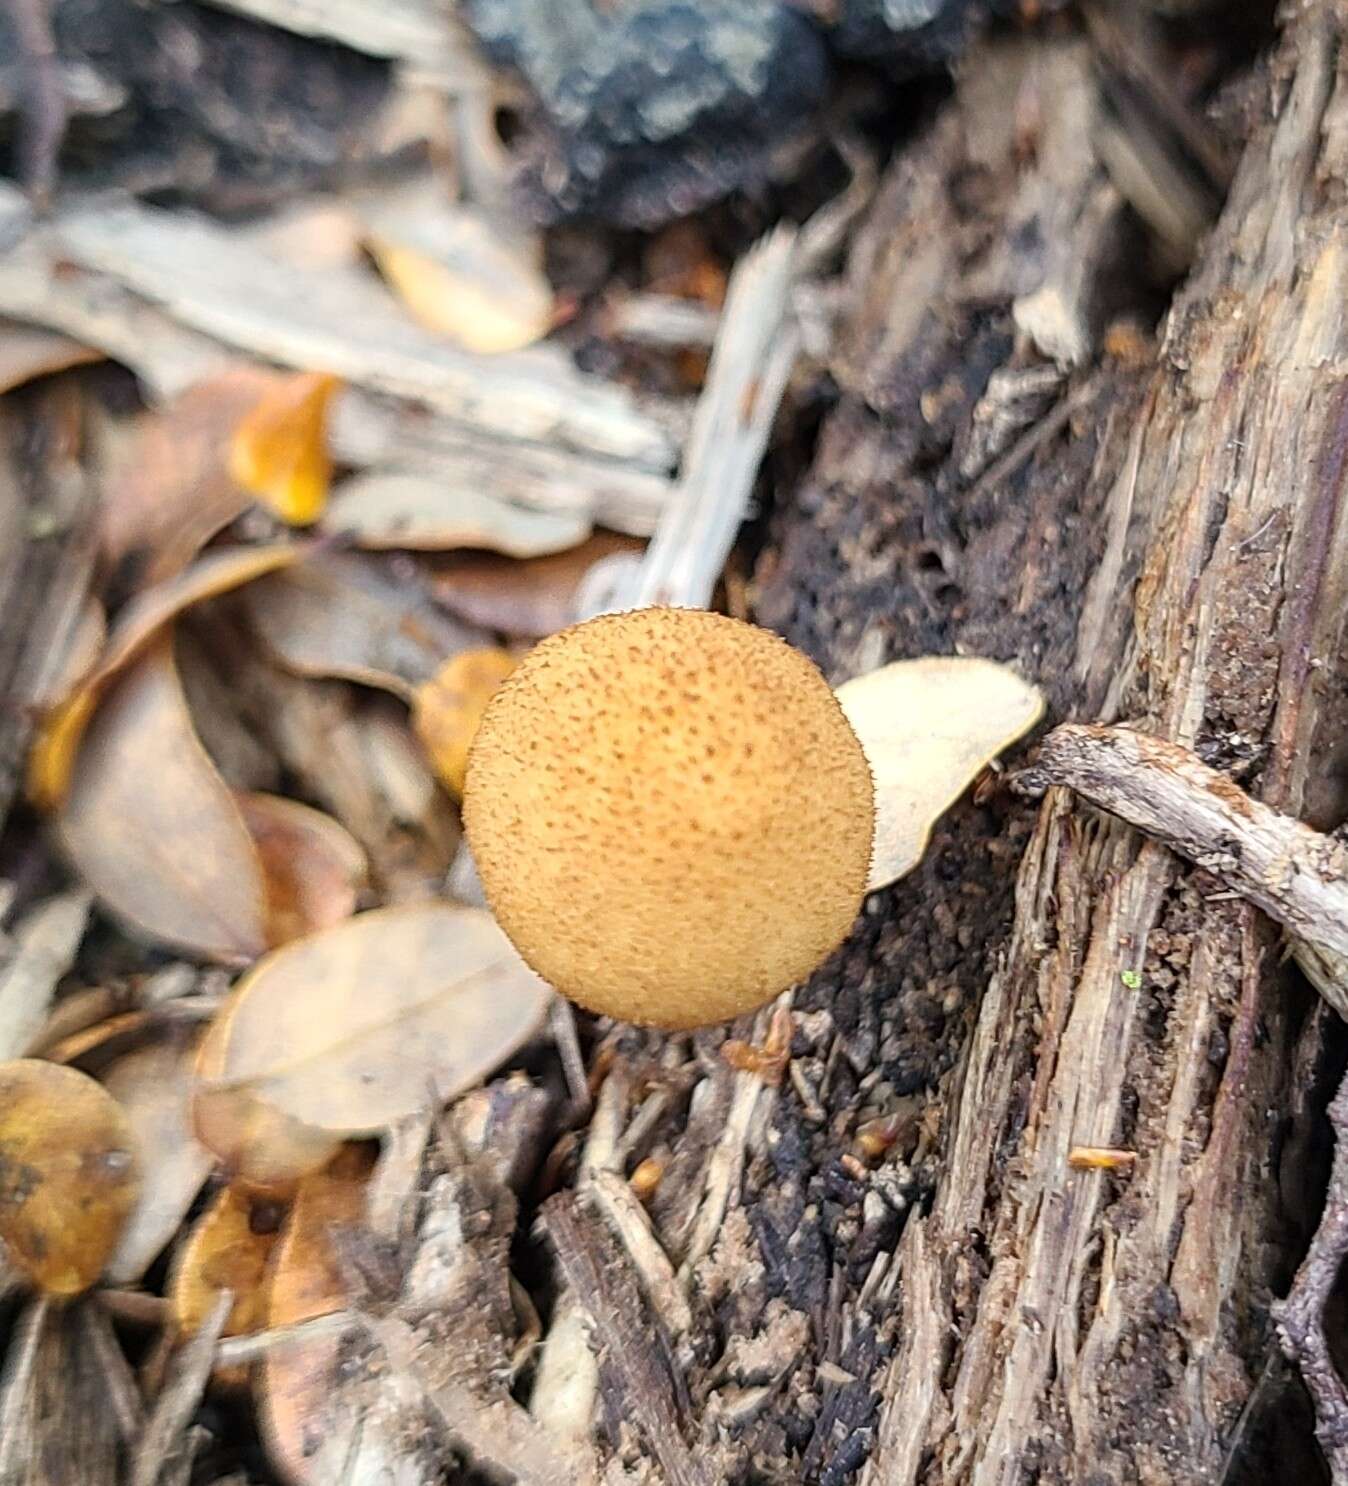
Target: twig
<point>495,1432</point>
<point>44,103</point>
<point>179,1397</point>
<point>241,1351</point>
<point>1296,875</point>
<point>1300,1318</point>
<point>756,347</point>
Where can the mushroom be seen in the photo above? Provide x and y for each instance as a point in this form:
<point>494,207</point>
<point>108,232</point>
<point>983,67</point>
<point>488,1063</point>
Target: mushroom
<point>670,814</point>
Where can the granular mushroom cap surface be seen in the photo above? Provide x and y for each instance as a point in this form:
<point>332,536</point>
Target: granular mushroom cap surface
<point>671,816</point>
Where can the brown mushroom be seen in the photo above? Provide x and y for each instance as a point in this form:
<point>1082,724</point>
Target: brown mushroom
<point>670,814</point>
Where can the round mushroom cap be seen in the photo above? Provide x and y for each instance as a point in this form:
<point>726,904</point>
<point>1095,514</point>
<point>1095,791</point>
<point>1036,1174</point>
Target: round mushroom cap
<point>671,816</point>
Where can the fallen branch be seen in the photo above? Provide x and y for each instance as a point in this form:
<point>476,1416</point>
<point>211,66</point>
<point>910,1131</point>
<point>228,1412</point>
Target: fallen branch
<point>1298,876</point>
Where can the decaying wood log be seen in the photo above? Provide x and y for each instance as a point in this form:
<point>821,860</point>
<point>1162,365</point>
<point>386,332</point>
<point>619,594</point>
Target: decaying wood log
<point>1103,1327</point>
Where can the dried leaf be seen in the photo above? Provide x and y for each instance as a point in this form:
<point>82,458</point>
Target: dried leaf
<point>300,1387</point>
<point>279,452</point>
<point>462,273</point>
<point>314,868</point>
<point>152,828</point>
<point>58,741</point>
<point>258,1146</point>
<point>29,351</point>
<point>153,1085</point>
<point>530,598</point>
<point>69,1174</point>
<point>174,491</point>
<point>78,657</point>
<point>399,508</point>
<point>35,955</point>
<point>228,1249</point>
<point>340,615</point>
<point>362,1024</point>
<point>927,727</point>
<point>449,707</point>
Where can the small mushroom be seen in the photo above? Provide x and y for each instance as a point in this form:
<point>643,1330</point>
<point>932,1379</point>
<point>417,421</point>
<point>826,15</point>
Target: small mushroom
<point>670,814</point>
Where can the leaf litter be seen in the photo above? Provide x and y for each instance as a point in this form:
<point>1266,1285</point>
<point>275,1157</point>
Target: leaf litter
<point>347,1023</point>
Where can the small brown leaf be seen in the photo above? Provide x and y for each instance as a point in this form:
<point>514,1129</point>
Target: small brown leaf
<point>69,1174</point>
<point>152,828</point>
<point>153,1085</point>
<point>359,1025</point>
<point>227,1249</point>
<point>529,598</point>
<point>341,615</point>
<point>314,868</point>
<point>279,452</point>
<point>449,707</point>
<point>927,727</point>
<point>174,491</point>
<point>391,509</point>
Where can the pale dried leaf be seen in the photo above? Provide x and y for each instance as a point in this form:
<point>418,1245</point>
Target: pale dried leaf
<point>28,351</point>
<point>398,508</point>
<point>365,1023</point>
<point>340,615</point>
<point>314,868</point>
<point>928,727</point>
<point>153,1084</point>
<point>152,828</point>
<point>461,272</point>
<point>257,1144</point>
<point>39,951</point>
<point>83,647</point>
<point>60,1419</point>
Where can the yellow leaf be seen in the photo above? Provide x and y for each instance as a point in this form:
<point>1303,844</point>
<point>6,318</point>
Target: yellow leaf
<point>51,760</point>
<point>927,728</point>
<point>364,1023</point>
<point>279,452</point>
<point>448,708</point>
<point>69,1174</point>
<point>227,1249</point>
<point>470,276</point>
